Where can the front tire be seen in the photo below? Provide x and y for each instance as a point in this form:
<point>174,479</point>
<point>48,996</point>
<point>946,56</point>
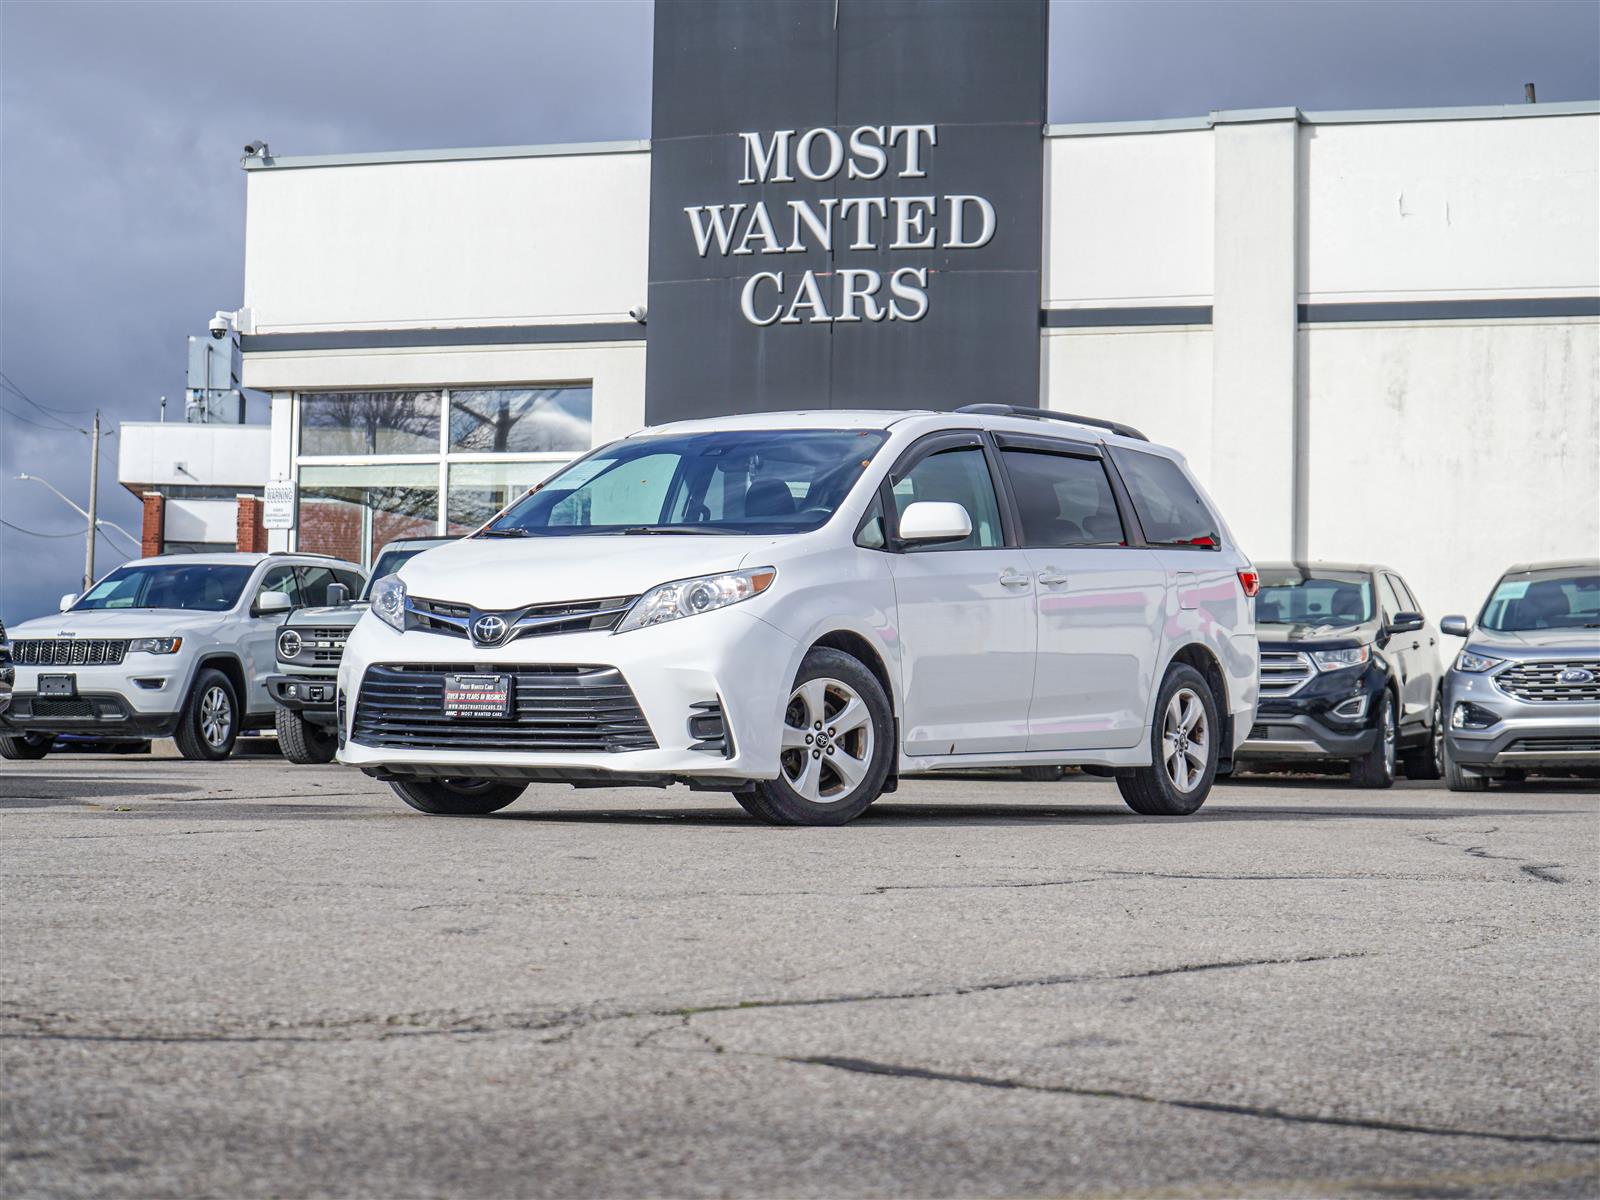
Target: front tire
<point>25,746</point>
<point>837,746</point>
<point>209,724</point>
<point>1375,768</point>
<point>457,797</point>
<point>1184,747</point>
<point>302,742</point>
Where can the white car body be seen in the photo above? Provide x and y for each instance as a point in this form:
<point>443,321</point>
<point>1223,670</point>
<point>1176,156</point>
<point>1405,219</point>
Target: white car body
<point>1003,656</point>
<point>139,694</point>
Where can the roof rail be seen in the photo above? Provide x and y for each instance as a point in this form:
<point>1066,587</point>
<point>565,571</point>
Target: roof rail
<point>1045,414</point>
<point>302,554</point>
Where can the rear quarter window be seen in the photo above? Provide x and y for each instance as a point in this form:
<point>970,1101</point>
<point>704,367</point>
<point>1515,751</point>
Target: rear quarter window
<point>1169,508</point>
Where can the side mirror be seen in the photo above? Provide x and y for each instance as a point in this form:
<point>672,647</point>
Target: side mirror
<point>1455,626</point>
<point>928,522</point>
<point>68,601</point>
<point>1406,622</point>
<point>273,602</point>
<point>338,595</point>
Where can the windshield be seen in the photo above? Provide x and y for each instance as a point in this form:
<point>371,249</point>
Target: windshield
<point>1293,597</point>
<point>751,481</point>
<point>1544,600</point>
<point>391,561</point>
<point>207,587</point>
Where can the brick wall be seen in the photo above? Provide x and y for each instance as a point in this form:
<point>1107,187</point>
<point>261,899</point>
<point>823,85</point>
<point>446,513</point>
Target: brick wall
<point>153,534</point>
<point>251,534</point>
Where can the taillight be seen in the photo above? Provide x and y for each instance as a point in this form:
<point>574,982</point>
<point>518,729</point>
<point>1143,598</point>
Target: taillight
<point>1250,580</point>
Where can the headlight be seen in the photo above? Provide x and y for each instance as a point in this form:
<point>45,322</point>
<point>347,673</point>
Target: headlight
<point>155,645</point>
<point>389,602</point>
<point>1337,660</point>
<point>288,644</point>
<point>690,597</point>
<point>1468,661</point>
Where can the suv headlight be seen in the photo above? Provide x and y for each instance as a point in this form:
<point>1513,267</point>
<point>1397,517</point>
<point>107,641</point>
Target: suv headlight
<point>1337,660</point>
<point>389,602</point>
<point>1468,661</point>
<point>167,645</point>
<point>690,597</point>
<point>288,644</point>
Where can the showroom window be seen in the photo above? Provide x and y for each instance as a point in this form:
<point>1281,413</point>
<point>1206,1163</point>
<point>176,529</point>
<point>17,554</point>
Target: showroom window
<point>370,423</point>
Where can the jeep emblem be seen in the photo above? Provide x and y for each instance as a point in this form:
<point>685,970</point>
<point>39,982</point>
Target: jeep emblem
<point>488,629</point>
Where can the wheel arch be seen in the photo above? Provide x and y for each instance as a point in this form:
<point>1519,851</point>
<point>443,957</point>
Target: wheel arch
<point>1204,660</point>
<point>859,647</point>
<point>231,667</point>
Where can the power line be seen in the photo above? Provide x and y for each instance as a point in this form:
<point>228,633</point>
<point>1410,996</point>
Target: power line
<point>11,386</point>
<point>41,425</point>
<point>36,533</point>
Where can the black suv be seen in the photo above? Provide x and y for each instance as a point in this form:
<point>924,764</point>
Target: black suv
<point>1349,669</point>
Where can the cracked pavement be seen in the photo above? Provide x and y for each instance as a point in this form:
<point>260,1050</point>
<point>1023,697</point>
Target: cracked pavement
<point>252,979</point>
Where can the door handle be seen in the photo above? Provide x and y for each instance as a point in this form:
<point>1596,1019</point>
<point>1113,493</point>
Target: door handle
<point>1051,578</point>
<point>1416,645</point>
<point>1012,579</point>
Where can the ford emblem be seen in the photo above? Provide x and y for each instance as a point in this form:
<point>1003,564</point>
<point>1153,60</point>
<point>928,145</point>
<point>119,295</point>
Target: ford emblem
<point>488,630</point>
<point>1576,675</point>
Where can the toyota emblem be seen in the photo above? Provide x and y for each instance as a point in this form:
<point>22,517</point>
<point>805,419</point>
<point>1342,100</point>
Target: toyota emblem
<point>1577,675</point>
<point>488,629</point>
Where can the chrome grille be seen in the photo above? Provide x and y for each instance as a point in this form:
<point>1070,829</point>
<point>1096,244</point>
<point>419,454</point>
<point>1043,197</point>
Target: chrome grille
<point>558,708</point>
<point>1541,681</point>
<point>538,620</point>
<point>69,652</point>
<point>1284,672</point>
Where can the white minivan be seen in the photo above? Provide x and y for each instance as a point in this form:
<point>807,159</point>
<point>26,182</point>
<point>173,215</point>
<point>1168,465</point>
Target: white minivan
<point>800,608</point>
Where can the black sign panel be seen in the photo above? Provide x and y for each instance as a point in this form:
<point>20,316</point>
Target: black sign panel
<point>845,204</point>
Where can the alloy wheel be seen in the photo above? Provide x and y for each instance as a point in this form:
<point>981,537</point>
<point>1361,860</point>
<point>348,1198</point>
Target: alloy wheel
<point>1185,740</point>
<point>216,717</point>
<point>1438,739</point>
<point>827,741</point>
<point>1390,738</point>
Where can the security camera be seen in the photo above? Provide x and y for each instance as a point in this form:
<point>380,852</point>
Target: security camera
<point>256,149</point>
<point>220,325</point>
<point>637,312</point>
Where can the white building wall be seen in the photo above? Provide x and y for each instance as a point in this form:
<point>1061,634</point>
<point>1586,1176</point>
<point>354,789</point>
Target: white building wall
<point>176,452</point>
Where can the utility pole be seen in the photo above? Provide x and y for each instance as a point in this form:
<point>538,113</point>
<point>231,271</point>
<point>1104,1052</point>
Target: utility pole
<point>94,501</point>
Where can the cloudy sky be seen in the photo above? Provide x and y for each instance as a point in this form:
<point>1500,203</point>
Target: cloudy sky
<point>122,205</point>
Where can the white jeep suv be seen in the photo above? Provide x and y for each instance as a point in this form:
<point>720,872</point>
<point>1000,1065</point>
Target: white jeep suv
<point>177,646</point>
<point>800,608</point>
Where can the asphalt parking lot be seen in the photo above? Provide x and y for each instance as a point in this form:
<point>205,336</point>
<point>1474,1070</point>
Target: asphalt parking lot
<point>253,979</point>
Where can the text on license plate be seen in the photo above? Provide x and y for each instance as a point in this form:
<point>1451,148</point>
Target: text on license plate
<point>477,695</point>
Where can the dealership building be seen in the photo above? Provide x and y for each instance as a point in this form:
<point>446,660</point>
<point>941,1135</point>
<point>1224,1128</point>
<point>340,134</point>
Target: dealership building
<point>1375,335</point>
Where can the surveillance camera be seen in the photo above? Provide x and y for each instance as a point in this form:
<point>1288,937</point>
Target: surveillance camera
<point>220,325</point>
<point>637,312</point>
<point>257,148</point>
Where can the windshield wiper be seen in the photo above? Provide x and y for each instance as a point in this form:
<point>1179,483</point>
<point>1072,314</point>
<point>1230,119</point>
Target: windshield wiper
<point>510,531</point>
<point>686,529</point>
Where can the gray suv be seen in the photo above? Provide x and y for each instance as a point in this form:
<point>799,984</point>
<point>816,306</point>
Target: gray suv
<point>310,644</point>
<point>1524,693</point>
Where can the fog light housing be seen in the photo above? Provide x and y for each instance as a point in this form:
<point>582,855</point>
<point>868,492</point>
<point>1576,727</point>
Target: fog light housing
<point>1352,709</point>
<point>1467,715</point>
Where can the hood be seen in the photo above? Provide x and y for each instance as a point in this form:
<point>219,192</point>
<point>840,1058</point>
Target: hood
<point>495,573</point>
<point>345,615</point>
<point>1537,643</point>
<point>118,623</point>
<point>1317,635</point>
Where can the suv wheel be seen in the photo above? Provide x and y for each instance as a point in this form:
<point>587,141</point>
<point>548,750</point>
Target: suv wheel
<point>1184,748</point>
<point>457,797</point>
<point>1423,762</point>
<point>301,741</point>
<point>838,743</point>
<point>209,724</point>
<point>25,745</point>
<point>1456,777</point>
<point>1375,768</point>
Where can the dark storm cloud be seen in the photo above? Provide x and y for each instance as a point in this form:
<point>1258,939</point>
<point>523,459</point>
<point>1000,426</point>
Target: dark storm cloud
<point>122,205</point>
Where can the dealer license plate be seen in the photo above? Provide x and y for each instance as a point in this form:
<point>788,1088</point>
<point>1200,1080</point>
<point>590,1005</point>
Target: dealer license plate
<point>477,695</point>
<point>58,685</point>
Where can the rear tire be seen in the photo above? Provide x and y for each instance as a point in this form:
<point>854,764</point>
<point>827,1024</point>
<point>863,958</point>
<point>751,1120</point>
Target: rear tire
<point>1376,768</point>
<point>209,724</point>
<point>1184,748</point>
<point>457,797</point>
<point>301,741</point>
<point>1423,762</point>
<point>26,746</point>
<point>838,744</point>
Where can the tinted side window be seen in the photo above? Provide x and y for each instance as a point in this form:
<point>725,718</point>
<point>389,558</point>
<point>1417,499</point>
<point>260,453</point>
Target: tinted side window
<point>1406,594</point>
<point>314,583</point>
<point>1391,599</point>
<point>872,535</point>
<point>1169,508</point>
<point>960,476</point>
<point>1062,500</point>
<point>280,579</point>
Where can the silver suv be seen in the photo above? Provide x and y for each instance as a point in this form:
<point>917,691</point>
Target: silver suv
<point>1524,693</point>
<point>177,646</point>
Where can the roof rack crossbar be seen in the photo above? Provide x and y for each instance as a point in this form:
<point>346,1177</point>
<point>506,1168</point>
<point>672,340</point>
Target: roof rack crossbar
<point>1046,414</point>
